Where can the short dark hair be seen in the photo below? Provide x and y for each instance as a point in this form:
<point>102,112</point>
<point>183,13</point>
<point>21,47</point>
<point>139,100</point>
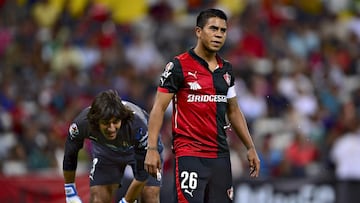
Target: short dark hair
<point>209,13</point>
<point>106,105</point>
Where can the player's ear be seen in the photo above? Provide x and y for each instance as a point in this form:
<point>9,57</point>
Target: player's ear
<point>198,31</point>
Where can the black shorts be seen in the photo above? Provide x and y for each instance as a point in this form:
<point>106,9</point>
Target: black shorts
<point>108,166</point>
<point>203,179</point>
<point>106,172</point>
<point>151,181</point>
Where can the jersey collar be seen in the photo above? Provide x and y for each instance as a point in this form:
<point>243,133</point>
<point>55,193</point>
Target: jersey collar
<point>202,61</point>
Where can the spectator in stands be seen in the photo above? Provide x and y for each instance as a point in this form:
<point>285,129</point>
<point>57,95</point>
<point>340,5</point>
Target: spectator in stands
<point>345,154</point>
<point>270,158</point>
<point>300,154</point>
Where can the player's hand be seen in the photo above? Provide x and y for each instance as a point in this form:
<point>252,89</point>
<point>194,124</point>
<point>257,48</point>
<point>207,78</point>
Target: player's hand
<point>152,163</point>
<point>71,193</point>
<point>254,162</point>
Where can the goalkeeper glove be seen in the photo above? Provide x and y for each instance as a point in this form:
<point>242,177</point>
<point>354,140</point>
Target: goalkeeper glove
<point>123,200</point>
<point>71,193</point>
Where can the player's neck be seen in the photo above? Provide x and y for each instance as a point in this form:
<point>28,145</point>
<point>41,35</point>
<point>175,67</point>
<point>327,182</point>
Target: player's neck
<point>208,56</point>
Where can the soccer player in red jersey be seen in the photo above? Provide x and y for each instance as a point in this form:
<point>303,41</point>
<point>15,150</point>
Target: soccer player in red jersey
<point>200,85</point>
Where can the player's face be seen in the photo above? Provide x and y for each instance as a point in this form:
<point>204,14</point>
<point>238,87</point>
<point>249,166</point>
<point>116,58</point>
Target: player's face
<point>109,128</point>
<point>213,34</point>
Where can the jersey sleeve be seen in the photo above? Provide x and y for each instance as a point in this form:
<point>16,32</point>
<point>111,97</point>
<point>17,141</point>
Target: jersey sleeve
<point>229,68</point>
<point>171,78</point>
<point>141,134</point>
<point>231,79</point>
<point>74,142</point>
<point>140,130</point>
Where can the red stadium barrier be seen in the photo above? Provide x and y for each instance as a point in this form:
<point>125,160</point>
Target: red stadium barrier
<point>39,189</point>
<point>46,189</point>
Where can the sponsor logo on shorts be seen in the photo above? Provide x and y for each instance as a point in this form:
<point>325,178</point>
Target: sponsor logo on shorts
<point>230,193</point>
<point>190,192</point>
<point>92,171</point>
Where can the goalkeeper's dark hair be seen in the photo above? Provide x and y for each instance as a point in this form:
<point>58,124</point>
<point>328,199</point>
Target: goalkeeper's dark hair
<point>209,13</point>
<point>108,105</point>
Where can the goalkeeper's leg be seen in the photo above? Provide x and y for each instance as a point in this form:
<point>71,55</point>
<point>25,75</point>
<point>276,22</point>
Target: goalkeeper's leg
<point>150,194</point>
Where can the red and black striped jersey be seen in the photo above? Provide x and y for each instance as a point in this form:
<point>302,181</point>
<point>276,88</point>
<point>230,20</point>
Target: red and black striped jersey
<point>199,104</point>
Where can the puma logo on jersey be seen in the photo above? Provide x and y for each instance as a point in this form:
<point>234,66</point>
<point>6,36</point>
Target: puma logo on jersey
<point>189,192</point>
<point>193,74</point>
<point>194,85</point>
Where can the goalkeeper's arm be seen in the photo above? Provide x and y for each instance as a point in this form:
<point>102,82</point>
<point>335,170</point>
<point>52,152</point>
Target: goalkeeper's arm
<point>69,170</point>
<point>70,187</point>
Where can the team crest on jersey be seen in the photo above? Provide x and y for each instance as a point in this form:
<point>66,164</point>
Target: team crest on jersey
<point>227,78</point>
<point>167,72</point>
<point>73,130</point>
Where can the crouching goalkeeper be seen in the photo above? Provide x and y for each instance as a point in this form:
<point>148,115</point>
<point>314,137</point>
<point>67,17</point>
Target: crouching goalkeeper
<point>118,133</point>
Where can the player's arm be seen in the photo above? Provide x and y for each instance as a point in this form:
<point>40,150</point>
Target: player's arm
<point>239,124</point>
<point>72,148</point>
<point>71,151</point>
<point>152,159</point>
<point>69,176</point>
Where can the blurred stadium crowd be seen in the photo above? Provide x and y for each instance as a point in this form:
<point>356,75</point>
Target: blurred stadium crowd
<point>297,63</point>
